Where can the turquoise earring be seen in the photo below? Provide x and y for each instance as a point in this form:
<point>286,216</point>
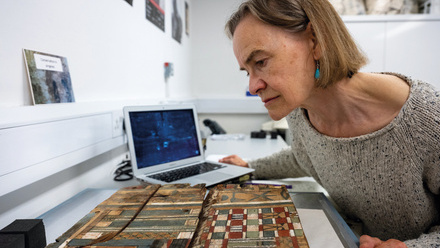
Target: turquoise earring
<point>317,70</point>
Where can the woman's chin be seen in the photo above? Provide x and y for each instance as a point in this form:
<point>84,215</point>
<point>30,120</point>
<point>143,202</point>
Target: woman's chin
<point>276,116</point>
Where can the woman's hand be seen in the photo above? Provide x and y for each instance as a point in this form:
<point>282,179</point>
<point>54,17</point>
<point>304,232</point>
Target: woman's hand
<point>235,160</point>
<point>370,242</point>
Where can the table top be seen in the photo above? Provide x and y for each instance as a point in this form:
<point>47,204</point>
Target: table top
<point>62,217</point>
<point>245,146</point>
<point>306,200</point>
<point>313,207</point>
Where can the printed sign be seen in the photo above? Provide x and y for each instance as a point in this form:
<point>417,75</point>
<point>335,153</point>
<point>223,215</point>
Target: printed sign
<point>48,63</point>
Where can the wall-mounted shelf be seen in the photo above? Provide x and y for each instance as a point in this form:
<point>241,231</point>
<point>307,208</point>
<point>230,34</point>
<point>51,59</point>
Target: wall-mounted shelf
<point>249,105</point>
<point>390,18</point>
<point>39,141</point>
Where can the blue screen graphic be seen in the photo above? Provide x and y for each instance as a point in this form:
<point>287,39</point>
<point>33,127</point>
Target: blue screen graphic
<point>163,136</point>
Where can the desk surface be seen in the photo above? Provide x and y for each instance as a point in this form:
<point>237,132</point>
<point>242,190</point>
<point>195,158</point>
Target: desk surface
<point>61,218</point>
<point>247,147</point>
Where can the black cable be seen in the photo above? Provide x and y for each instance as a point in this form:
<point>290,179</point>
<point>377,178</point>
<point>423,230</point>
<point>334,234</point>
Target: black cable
<point>124,172</point>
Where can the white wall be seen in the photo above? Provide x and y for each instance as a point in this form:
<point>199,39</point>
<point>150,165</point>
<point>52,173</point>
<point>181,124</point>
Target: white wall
<point>108,44</point>
<point>115,56</point>
<point>215,69</point>
<point>406,44</point>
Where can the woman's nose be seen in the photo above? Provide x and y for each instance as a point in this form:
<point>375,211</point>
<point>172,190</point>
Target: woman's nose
<point>256,84</point>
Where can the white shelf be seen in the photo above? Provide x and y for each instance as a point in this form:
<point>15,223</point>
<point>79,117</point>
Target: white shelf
<point>248,105</point>
<point>390,18</point>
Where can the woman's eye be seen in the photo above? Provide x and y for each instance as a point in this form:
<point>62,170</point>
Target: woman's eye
<point>260,63</point>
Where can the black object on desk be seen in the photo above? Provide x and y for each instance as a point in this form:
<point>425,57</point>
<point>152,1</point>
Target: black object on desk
<point>12,240</point>
<point>31,231</point>
<point>214,127</point>
<point>258,135</point>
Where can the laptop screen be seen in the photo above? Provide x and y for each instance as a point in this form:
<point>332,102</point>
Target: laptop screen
<point>163,136</point>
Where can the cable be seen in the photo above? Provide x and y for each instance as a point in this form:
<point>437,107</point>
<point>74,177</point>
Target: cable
<point>124,171</point>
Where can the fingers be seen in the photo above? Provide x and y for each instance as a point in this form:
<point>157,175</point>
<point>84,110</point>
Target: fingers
<point>366,241</point>
<point>235,160</point>
<point>232,159</point>
<point>226,159</point>
<point>229,157</point>
<point>393,243</point>
<point>370,242</point>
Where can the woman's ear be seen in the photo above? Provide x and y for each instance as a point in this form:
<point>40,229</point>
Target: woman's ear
<point>316,47</point>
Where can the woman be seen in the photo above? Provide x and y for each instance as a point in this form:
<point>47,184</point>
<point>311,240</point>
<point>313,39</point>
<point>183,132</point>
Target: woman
<point>371,140</point>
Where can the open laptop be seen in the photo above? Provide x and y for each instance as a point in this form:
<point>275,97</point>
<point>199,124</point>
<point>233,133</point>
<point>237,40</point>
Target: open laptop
<point>164,143</point>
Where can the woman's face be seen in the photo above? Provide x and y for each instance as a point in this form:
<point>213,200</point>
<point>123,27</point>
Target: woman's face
<point>280,65</point>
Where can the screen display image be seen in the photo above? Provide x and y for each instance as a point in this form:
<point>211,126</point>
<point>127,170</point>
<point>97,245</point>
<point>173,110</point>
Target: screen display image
<point>163,136</point>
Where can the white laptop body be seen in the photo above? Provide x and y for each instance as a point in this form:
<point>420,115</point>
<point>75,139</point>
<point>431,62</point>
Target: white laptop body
<point>167,137</point>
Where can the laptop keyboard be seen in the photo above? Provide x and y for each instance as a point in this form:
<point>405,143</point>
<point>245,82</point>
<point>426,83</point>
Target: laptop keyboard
<point>176,174</point>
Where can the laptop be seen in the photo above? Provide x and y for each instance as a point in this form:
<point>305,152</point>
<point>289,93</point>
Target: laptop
<point>165,147</point>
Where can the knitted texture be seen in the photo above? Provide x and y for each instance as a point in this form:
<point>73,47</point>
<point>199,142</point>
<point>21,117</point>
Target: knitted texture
<point>388,179</point>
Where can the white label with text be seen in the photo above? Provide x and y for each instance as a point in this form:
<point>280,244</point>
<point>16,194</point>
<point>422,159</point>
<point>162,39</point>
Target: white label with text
<point>44,62</point>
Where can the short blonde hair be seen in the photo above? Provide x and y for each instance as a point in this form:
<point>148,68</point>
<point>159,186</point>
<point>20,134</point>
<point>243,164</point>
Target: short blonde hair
<point>340,55</point>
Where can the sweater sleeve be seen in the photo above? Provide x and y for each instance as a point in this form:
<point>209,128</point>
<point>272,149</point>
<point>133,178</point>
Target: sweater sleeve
<point>429,119</point>
<point>429,240</point>
<point>432,182</point>
<point>279,165</point>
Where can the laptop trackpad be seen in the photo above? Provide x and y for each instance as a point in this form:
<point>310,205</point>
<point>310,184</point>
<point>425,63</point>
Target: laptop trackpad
<point>214,176</point>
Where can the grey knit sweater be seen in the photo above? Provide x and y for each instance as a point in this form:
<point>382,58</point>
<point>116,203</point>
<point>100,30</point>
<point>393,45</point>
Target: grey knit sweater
<point>388,179</point>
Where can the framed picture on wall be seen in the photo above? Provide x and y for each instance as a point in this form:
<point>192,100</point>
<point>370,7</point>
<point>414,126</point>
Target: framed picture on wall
<point>176,21</point>
<point>49,77</point>
<point>186,18</point>
<point>155,12</point>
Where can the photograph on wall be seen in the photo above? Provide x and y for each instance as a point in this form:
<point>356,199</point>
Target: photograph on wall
<point>129,2</point>
<point>155,12</point>
<point>49,77</point>
<point>177,22</point>
<point>186,18</point>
